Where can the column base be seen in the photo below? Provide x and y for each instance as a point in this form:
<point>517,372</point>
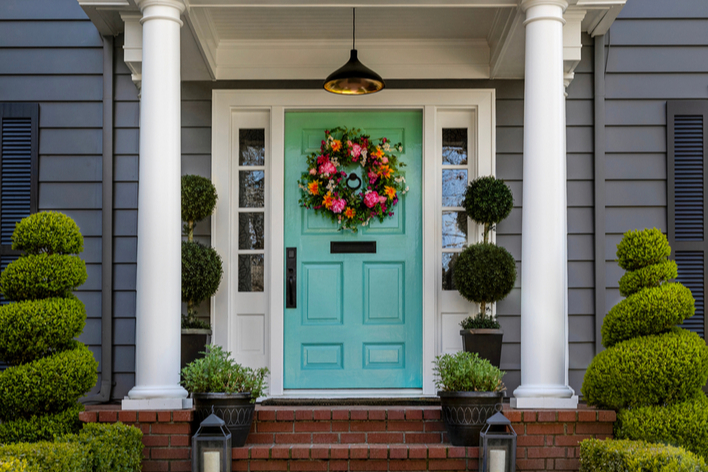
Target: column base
<point>545,403</point>
<point>156,404</point>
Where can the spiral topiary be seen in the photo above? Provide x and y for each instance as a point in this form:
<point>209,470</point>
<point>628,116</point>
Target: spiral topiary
<point>49,370</point>
<point>201,265</point>
<point>652,370</point>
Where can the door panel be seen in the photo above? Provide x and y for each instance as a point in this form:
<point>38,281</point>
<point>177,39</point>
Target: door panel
<point>358,320</point>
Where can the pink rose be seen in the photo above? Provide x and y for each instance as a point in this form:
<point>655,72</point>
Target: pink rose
<point>356,150</point>
<point>338,205</point>
<point>385,160</point>
<point>313,171</point>
<point>382,199</point>
<point>371,199</point>
<point>328,168</point>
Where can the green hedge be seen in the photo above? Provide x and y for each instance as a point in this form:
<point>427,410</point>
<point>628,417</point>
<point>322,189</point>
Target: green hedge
<point>648,370</point>
<point>649,311</point>
<point>47,385</point>
<point>35,328</point>
<point>484,273</point>
<point>41,427</point>
<point>47,231</point>
<point>42,276</point>
<point>50,456</point>
<point>640,248</point>
<point>636,456</point>
<point>115,447</point>
<point>650,276</point>
<point>11,464</point>
<point>684,424</point>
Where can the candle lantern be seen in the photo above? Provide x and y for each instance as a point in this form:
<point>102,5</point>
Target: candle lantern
<point>211,446</point>
<point>498,445</point>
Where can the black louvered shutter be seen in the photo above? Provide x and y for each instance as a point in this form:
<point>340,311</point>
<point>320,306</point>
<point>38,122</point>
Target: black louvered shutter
<point>687,131</point>
<point>19,165</point>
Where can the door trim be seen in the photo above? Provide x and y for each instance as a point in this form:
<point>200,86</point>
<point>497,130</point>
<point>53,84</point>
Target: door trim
<point>227,103</point>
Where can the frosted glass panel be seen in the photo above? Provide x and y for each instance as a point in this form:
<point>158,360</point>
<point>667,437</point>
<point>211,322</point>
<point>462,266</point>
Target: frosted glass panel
<point>250,230</point>
<point>251,145</point>
<point>250,273</point>
<point>251,192</point>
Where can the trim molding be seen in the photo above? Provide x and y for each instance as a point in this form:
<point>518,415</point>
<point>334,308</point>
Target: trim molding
<point>599,183</point>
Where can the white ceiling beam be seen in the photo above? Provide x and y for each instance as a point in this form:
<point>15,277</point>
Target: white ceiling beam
<point>358,3</point>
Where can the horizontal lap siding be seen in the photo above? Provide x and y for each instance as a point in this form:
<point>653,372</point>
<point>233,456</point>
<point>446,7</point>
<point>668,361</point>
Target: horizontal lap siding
<point>657,51</point>
<point>52,54</point>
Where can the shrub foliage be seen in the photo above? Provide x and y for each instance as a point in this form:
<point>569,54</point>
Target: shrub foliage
<point>467,372</point>
<point>201,272</point>
<point>198,198</point>
<point>641,248</point>
<point>650,276</point>
<point>49,370</point>
<point>623,455</point>
<point>488,200</point>
<point>50,456</point>
<point>485,273</point>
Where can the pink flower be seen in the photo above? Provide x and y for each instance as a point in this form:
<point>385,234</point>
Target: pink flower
<point>338,205</point>
<point>371,199</point>
<point>382,199</point>
<point>372,177</point>
<point>328,168</point>
<point>385,160</point>
<point>313,171</point>
<point>321,159</point>
<point>356,150</point>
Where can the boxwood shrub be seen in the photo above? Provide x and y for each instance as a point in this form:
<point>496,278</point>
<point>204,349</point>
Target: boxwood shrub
<point>484,273</point>
<point>50,456</point>
<point>198,198</point>
<point>649,311</point>
<point>115,447</point>
<point>48,231</point>
<point>624,455</point>
<point>33,329</point>
<point>12,464</point>
<point>650,276</point>
<point>41,427</point>
<point>648,370</point>
<point>684,424</point>
<point>640,248</point>
<point>201,272</point>
<point>42,276</point>
<point>488,200</point>
<point>47,385</point>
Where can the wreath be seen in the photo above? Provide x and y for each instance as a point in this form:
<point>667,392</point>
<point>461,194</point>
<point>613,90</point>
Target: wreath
<point>350,200</point>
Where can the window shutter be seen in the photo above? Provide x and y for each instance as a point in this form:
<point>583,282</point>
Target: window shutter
<point>687,132</point>
<point>19,170</point>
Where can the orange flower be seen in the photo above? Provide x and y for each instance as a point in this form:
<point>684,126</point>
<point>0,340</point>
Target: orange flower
<point>328,200</point>
<point>314,187</point>
<point>385,171</point>
<point>378,153</point>
<point>336,145</point>
<point>390,191</point>
<point>349,213</point>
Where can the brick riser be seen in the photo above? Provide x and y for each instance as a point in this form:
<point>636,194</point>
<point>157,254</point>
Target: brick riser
<point>363,438</point>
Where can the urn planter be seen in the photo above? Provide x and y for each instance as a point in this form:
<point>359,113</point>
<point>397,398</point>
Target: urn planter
<point>235,409</point>
<point>466,413</point>
<point>194,342</point>
<point>485,342</point>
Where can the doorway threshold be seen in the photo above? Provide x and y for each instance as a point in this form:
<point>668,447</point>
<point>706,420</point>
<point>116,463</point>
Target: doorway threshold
<point>412,397</point>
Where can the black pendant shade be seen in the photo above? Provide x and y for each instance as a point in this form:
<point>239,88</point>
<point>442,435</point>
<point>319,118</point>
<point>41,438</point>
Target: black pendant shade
<point>354,78</point>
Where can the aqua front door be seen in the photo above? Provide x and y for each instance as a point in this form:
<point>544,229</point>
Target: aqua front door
<point>357,323</point>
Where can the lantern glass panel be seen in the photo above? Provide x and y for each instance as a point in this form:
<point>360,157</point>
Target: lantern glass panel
<point>499,454</point>
<point>212,454</point>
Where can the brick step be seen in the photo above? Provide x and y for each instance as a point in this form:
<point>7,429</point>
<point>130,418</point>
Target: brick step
<point>342,457</point>
<point>347,425</point>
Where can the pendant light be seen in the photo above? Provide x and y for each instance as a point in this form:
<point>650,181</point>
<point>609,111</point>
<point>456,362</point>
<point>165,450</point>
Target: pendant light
<point>353,78</point>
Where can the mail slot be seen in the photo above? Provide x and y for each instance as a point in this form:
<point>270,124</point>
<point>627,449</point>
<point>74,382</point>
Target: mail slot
<point>352,247</point>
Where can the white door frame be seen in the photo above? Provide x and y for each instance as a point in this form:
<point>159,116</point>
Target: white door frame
<point>227,104</point>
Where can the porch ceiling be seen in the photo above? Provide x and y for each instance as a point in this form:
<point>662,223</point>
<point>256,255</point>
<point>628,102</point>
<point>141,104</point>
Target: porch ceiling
<point>307,39</point>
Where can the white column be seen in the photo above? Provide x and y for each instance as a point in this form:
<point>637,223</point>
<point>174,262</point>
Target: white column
<point>158,302</point>
<point>544,233</point>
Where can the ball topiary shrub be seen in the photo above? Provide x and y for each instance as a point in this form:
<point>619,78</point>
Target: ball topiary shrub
<point>201,265</point>
<point>49,370</point>
<point>624,456</point>
<point>485,273</point>
<point>684,424</point>
<point>649,311</point>
<point>652,371</point>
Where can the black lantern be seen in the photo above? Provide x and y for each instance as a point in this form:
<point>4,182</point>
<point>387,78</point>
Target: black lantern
<point>211,446</point>
<point>353,78</point>
<point>498,445</point>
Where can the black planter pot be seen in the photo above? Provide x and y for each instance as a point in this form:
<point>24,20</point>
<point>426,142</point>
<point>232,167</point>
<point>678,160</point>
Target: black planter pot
<point>235,409</point>
<point>193,343</point>
<point>485,342</point>
<point>466,413</point>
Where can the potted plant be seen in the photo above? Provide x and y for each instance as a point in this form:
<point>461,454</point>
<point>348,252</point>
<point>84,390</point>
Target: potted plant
<point>470,390</point>
<point>484,272</point>
<point>217,382</point>
<point>201,265</point>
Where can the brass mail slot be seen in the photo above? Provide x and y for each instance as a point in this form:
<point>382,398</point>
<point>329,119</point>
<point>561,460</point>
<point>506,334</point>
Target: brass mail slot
<point>352,247</point>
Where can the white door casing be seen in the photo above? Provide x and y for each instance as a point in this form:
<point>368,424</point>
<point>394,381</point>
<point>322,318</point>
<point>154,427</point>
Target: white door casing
<point>234,109</point>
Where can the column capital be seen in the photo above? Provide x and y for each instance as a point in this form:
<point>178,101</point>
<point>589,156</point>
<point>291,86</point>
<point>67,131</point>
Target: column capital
<point>178,4</point>
<point>166,10</point>
<point>526,4</point>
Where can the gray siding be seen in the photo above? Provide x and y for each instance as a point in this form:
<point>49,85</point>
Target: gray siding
<point>51,53</point>
<point>657,51</point>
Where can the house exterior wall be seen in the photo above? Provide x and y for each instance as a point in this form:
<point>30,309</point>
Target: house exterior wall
<point>656,50</point>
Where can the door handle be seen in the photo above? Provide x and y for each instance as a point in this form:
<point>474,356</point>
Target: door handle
<point>291,272</point>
